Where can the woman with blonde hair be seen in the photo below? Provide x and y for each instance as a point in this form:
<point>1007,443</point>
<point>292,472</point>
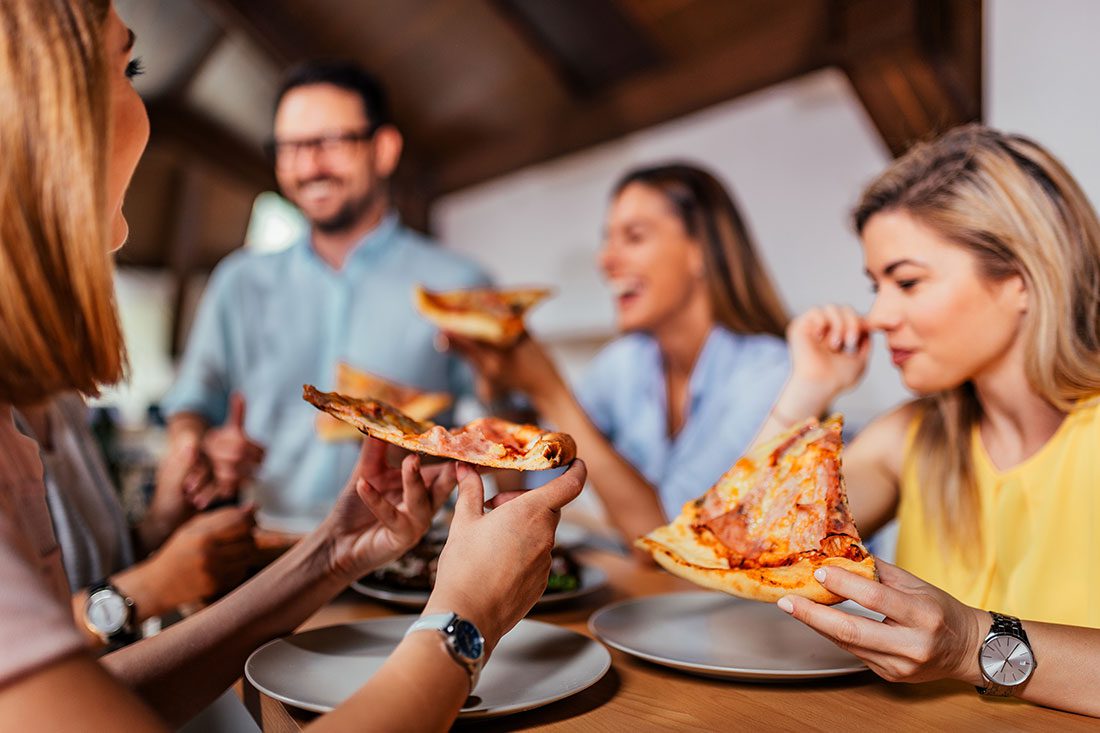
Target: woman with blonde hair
<point>984,254</point>
<point>71,132</point>
<point>662,411</point>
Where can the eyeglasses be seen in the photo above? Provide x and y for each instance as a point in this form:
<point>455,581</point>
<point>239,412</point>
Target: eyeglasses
<point>285,151</point>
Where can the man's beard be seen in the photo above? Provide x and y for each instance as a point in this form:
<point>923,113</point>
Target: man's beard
<point>348,215</point>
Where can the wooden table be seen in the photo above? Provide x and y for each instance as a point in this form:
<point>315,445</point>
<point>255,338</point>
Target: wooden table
<point>637,696</point>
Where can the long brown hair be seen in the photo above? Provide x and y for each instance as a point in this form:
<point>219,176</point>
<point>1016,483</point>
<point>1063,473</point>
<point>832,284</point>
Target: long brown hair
<point>1018,211</point>
<point>742,296</point>
<point>59,329</point>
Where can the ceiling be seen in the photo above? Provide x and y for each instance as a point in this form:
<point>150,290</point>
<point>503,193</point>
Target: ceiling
<point>484,87</point>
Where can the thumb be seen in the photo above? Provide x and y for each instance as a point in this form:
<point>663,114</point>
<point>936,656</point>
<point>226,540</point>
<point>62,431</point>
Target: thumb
<point>471,492</point>
<point>236,411</point>
<point>564,488</point>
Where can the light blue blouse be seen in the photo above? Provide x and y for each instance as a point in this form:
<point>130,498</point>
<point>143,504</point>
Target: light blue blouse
<point>735,381</point>
<point>269,323</point>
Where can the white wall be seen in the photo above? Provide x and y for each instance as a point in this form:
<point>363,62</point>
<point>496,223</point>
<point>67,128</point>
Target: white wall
<point>1042,59</point>
<point>796,156</point>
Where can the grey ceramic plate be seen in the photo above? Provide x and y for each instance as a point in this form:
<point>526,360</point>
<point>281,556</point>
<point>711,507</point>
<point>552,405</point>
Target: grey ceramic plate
<point>592,580</point>
<point>717,635</point>
<point>534,664</point>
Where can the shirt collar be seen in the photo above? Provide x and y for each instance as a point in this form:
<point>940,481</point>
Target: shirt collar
<point>373,244</point>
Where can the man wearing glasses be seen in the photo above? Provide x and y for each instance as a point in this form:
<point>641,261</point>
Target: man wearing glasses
<point>269,323</point>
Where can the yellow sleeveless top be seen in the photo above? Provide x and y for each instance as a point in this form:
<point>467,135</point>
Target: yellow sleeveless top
<point>1039,557</point>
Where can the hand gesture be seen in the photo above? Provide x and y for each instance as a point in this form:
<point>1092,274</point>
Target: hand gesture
<point>182,475</point>
<point>233,456</point>
<point>926,635</point>
<point>524,366</point>
<point>495,566</point>
<point>207,556</point>
<point>830,346</point>
<point>382,511</point>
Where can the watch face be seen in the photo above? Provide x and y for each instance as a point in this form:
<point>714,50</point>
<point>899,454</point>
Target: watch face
<point>1006,660</point>
<point>106,611</point>
<point>468,641</point>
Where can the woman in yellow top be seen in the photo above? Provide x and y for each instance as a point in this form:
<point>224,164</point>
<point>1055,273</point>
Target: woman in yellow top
<point>985,257</point>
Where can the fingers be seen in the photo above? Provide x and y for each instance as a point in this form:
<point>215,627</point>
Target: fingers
<point>892,603</point>
<point>388,514</point>
<point>441,485</point>
<point>564,489</point>
<point>372,457</point>
<point>843,629</point>
<point>844,328</point>
<point>503,498</point>
<point>236,411</point>
<point>417,501</point>
<point>228,524</point>
<point>471,492</point>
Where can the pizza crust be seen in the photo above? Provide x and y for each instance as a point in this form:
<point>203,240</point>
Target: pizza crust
<point>541,450</point>
<point>761,584</point>
<point>457,312</point>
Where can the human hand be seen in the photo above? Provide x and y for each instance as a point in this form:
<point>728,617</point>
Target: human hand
<point>830,347</point>
<point>207,556</point>
<point>524,367</point>
<point>495,566</point>
<point>182,474</point>
<point>382,511</point>
<point>926,635</point>
<point>233,456</point>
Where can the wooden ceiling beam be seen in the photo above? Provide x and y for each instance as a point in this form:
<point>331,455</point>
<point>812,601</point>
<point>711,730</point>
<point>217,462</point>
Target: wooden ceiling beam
<point>797,43</point>
<point>914,64</point>
<point>179,126</point>
<point>268,28</point>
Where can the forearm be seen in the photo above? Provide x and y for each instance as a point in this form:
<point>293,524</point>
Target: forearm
<point>632,503</point>
<point>181,670</point>
<point>798,401</point>
<point>419,688</point>
<point>1067,660</point>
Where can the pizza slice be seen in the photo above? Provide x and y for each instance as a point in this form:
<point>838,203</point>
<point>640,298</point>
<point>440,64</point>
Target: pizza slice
<point>485,314</point>
<point>778,514</point>
<point>354,383</point>
<point>487,441</point>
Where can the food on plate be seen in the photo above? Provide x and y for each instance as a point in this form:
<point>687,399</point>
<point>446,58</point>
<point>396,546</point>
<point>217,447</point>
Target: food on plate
<point>487,441</point>
<point>415,570</point>
<point>484,314</point>
<point>354,383</point>
<point>779,513</point>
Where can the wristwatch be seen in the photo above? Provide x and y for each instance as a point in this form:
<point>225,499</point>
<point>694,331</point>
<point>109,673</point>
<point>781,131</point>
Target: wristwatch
<point>462,639</point>
<point>109,614</point>
<point>1005,657</point>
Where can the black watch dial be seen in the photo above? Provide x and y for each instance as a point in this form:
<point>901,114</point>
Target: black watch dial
<point>468,641</point>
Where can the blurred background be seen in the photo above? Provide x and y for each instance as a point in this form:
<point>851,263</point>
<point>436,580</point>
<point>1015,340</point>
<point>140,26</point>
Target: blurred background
<point>520,114</point>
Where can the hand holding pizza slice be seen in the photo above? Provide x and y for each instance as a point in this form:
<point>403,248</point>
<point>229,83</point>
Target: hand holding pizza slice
<point>487,441</point>
<point>773,518</point>
<point>488,315</point>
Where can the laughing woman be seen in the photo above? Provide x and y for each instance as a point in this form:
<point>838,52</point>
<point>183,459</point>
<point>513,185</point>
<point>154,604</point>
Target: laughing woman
<point>663,411</point>
<point>985,257</point>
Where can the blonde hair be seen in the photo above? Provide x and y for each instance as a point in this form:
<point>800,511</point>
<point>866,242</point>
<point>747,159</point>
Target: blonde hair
<point>1016,208</point>
<point>742,296</point>
<point>59,329</point>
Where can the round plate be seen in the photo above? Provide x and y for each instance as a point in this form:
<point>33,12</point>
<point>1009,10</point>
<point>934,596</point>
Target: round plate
<point>717,635</point>
<point>534,664</point>
<point>592,580</point>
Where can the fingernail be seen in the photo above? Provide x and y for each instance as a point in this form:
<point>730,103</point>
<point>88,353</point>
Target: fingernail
<point>819,574</point>
<point>785,604</point>
<point>852,345</point>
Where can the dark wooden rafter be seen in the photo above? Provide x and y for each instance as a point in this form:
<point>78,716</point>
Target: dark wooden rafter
<point>914,64</point>
<point>210,143</point>
<point>591,43</point>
